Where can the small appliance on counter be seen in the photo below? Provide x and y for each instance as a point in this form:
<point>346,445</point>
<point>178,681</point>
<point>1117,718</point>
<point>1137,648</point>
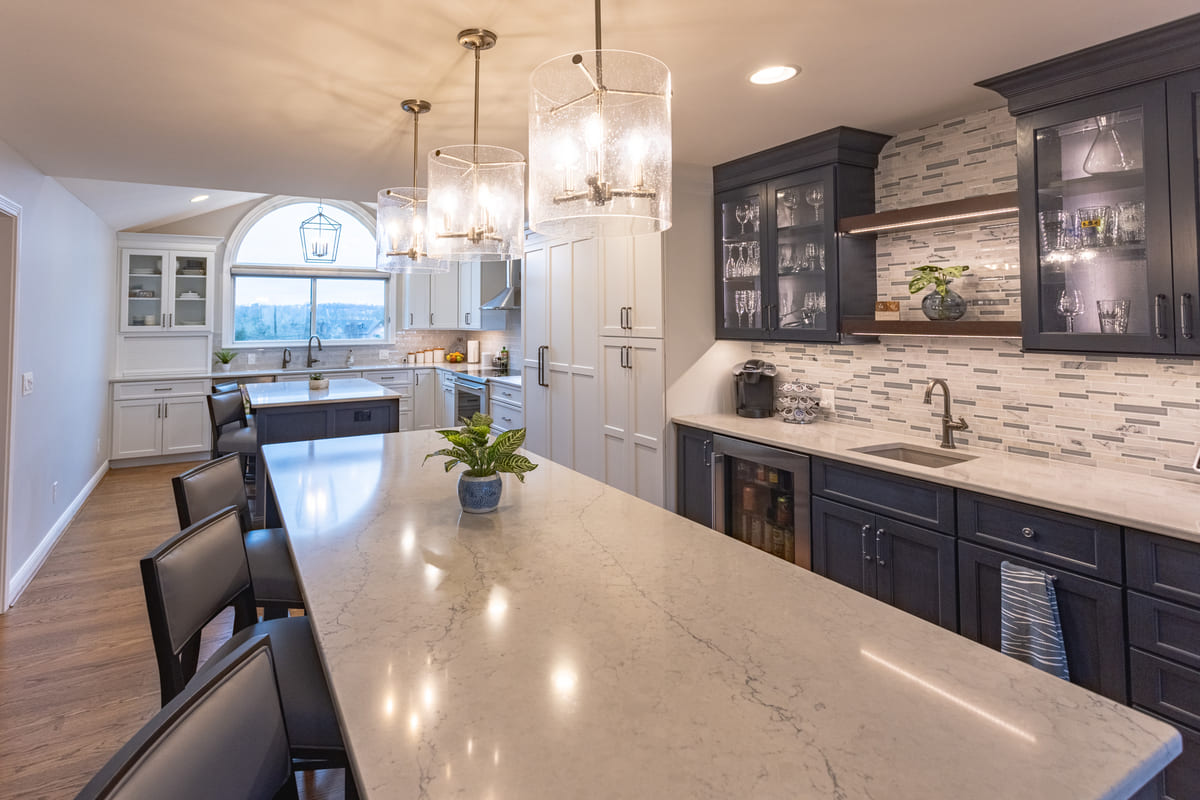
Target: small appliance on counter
<point>472,351</point>
<point>755,388</point>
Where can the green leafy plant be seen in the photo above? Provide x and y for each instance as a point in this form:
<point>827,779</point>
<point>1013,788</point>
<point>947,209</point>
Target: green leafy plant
<point>940,277</point>
<point>225,356</point>
<point>471,448</point>
<point>316,376</point>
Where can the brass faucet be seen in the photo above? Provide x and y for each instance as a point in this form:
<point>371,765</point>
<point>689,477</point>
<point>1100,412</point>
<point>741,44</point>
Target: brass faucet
<point>949,426</point>
<point>312,360</point>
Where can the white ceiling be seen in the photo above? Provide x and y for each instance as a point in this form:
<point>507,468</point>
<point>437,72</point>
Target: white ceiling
<point>123,205</point>
<point>303,97</point>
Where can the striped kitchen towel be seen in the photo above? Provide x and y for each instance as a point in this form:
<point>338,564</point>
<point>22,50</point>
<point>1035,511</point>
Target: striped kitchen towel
<point>1030,629</point>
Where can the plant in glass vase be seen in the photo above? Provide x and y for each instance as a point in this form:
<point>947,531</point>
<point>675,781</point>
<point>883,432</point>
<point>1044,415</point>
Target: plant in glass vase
<point>479,487</point>
<point>943,303</point>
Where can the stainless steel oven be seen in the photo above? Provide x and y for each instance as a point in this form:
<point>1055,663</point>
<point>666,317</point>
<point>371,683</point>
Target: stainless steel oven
<point>470,396</point>
<point>761,496</point>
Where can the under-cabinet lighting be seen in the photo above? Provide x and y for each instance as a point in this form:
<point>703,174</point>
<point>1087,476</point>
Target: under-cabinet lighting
<point>916,223</point>
<point>774,74</point>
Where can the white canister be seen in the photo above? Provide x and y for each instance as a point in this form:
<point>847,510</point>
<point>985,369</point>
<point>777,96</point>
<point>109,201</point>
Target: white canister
<point>439,355</point>
<point>472,351</point>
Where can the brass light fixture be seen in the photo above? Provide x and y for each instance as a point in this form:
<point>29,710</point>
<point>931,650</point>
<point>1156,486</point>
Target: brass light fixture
<point>600,144</point>
<point>401,222</point>
<point>319,236</point>
<point>476,192</point>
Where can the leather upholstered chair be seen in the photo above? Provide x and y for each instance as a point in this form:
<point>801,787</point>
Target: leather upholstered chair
<point>195,575</point>
<point>231,433</point>
<point>223,737</point>
<point>212,486</point>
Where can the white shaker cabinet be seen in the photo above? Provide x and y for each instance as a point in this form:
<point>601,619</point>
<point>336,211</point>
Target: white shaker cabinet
<point>631,286</point>
<point>425,399</point>
<point>559,352</point>
<point>431,300</point>
<point>416,301</point>
<point>401,381</point>
<point>633,416</point>
<point>160,418</point>
<point>166,283</point>
<point>446,417</point>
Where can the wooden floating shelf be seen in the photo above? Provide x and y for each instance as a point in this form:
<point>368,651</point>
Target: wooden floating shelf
<point>868,326</point>
<point>969,209</point>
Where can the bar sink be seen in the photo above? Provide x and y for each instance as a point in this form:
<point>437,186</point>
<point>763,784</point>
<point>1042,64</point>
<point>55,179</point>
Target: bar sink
<point>912,454</point>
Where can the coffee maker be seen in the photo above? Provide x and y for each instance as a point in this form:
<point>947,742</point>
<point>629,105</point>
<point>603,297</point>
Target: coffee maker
<point>755,388</point>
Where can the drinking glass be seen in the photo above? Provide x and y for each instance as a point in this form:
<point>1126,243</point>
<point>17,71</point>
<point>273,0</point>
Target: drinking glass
<point>1096,226</point>
<point>753,304</point>
<point>815,197</point>
<point>753,214</point>
<point>1131,222</point>
<point>1114,315</point>
<point>741,214</point>
<point>787,203</point>
<point>755,262</point>
<point>739,305</point>
<point>1069,305</point>
<point>730,263</point>
<point>810,257</point>
<point>1057,231</point>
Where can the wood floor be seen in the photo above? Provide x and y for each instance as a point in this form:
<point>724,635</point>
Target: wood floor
<point>77,674</point>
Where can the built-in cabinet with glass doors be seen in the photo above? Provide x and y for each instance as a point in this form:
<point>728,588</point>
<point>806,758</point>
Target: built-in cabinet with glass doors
<point>166,290</point>
<point>778,253</point>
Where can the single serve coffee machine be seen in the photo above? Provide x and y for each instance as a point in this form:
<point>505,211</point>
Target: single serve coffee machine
<point>755,388</point>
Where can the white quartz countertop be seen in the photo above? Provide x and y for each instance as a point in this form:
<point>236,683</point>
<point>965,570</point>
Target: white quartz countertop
<point>582,643</point>
<point>297,393</point>
<point>470,369</point>
<point>1171,508</point>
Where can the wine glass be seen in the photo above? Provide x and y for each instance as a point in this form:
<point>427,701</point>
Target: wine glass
<point>1070,306</point>
<point>752,212</point>
<point>753,303</point>
<point>739,305</point>
<point>787,207</point>
<point>815,197</point>
<point>731,263</point>
<point>741,214</point>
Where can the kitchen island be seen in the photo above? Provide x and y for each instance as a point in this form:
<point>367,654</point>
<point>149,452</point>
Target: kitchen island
<point>580,642</point>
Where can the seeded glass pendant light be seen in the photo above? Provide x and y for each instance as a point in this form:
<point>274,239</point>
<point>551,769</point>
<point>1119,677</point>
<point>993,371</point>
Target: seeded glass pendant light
<point>319,235</point>
<point>600,144</point>
<point>400,219</point>
<point>476,192</point>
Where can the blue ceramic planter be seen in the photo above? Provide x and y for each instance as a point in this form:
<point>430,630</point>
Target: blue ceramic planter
<point>479,495</point>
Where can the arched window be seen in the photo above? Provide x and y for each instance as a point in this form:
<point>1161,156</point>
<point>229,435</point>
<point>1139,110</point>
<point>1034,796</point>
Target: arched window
<point>275,297</point>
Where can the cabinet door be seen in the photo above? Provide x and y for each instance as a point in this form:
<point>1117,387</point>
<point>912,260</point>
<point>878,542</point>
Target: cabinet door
<point>646,417</point>
<point>185,425</point>
<point>416,301</point>
<point>645,315</point>
<point>801,261</point>
<point>137,428</point>
<point>535,335</point>
<point>615,416</point>
<point>614,291</point>
<point>190,290</point>
<point>915,571</point>
<point>693,474</point>
<point>406,420</point>
<point>741,236</point>
<point>144,289</point>
<point>1091,613</point>
<point>443,300</point>
<point>1183,119</point>
<point>843,541</point>
<point>425,399</point>
<point>446,415</point>
<point>1095,224</point>
<point>468,295</point>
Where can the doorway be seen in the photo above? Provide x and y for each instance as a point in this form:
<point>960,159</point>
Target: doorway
<point>10,231</point>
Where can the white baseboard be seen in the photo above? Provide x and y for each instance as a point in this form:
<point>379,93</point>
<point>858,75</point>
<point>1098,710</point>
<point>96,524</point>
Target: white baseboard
<point>20,580</point>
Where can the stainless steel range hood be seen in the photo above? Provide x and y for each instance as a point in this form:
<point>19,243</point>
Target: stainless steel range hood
<point>510,298</point>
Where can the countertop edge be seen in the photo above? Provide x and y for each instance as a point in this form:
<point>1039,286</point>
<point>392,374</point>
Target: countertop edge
<point>1059,500</point>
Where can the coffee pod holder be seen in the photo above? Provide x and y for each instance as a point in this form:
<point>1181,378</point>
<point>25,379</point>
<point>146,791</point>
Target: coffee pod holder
<point>798,402</point>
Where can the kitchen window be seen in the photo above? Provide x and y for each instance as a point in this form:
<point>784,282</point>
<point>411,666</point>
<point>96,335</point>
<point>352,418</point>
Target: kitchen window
<point>274,297</point>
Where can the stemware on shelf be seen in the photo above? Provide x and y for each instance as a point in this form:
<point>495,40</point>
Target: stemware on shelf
<point>739,304</point>
<point>815,197</point>
<point>741,214</point>
<point>1108,153</point>
<point>1114,315</point>
<point>1069,305</point>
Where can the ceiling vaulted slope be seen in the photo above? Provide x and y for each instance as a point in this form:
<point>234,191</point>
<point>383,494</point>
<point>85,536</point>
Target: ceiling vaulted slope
<point>303,97</point>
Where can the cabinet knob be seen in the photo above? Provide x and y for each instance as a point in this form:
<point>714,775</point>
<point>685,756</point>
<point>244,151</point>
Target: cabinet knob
<point>1028,533</point>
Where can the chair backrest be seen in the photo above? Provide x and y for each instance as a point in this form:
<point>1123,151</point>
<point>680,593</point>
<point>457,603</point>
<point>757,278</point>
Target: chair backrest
<point>188,580</point>
<point>208,488</point>
<point>225,408</point>
<point>224,737</point>
<point>228,386</point>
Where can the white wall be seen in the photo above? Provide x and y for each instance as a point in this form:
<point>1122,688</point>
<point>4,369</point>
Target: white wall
<point>66,315</point>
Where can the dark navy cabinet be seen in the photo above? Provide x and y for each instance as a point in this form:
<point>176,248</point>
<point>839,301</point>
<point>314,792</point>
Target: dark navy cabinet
<point>693,474</point>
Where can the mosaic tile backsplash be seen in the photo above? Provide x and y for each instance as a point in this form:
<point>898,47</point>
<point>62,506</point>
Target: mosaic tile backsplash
<point>1139,415</point>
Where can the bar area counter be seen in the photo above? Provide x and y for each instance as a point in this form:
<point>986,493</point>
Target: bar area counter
<point>579,642</point>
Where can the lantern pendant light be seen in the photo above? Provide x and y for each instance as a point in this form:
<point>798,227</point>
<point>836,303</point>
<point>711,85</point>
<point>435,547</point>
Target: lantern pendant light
<point>476,192</point>
<point>600,144</point>
<point>400,219</point>
<point>319,236</point>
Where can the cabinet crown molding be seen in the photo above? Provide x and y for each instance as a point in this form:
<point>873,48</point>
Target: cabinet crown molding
<point>840,145</point>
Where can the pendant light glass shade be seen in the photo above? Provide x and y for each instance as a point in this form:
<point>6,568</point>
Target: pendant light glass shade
<point>600,145</point>
<point>476,191</point>
<point>319,236</point>
<point>400,232</point>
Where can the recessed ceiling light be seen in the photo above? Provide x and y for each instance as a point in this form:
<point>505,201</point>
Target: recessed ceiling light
<point>200,198</point>
<point>774,74</point>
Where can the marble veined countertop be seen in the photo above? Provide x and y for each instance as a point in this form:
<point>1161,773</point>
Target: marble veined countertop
<point>1171,508</point>
<point>582,643</point>
<point>297,393</point>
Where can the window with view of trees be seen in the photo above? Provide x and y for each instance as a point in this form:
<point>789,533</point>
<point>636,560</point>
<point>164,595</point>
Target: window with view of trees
<point>277,297</point>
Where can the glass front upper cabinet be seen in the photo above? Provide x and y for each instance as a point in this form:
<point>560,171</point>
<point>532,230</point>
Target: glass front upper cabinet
<point>190,290</point>
<point>742,292</point>
<point>145,286</point>
<point>165,290</point>
<point>1102,227</point>
<point>801,253</point>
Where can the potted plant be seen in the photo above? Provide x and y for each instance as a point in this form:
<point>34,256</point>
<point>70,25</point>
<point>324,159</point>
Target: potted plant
<point>224,356</point>
<point>943,303</point>
<point>318,381</point>
<point>479,487</point>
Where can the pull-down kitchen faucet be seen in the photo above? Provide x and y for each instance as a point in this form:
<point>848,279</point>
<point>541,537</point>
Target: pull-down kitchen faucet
<point>949,426</point>
<point>287,357</point>
<point>312,360</point>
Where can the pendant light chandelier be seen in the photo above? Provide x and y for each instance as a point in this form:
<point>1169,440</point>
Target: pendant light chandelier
<point>400,218</point>
<point>476,192</point>
<point>319,235</point>
<point>600,144</point>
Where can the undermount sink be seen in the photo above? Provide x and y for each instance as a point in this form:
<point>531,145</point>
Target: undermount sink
<point>912,454</point>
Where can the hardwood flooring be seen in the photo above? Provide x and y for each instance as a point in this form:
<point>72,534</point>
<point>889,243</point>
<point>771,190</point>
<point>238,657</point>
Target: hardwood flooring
<point>77,674</point>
